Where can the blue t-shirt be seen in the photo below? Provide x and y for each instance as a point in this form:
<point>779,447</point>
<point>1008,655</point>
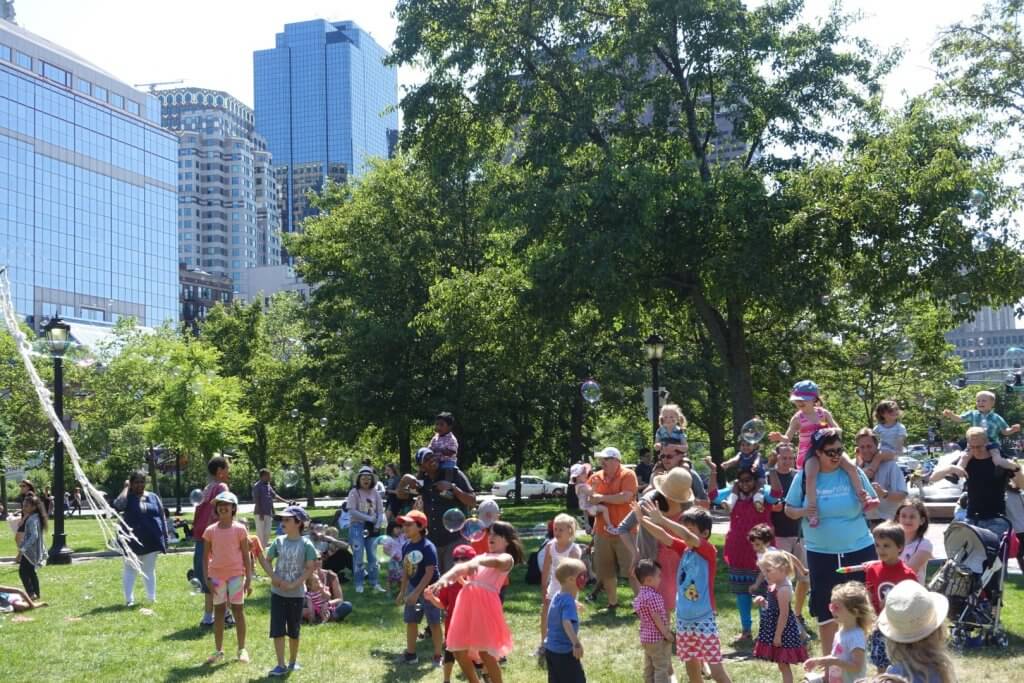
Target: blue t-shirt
<point>695,580</point>
<point>415,570</point>
<point>842,527</point>
<point>563,606</point>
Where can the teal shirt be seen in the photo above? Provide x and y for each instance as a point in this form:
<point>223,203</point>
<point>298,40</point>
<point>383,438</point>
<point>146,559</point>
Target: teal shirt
<point>842,527</point>
<point>292,556</point>
<point>993,423</point>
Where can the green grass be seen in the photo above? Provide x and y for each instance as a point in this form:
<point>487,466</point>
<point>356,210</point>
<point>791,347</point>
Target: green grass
<point>86,631</point>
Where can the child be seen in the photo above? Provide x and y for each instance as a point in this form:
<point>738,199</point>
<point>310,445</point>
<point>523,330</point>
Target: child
<point>983,416</point>
<point>478,623</point>
<point>891,435</point>
<point>851,607</point>
<point>739,555</point>
<point>296,561</point>
<point>228,570</point>
<point>321,606</point>
<point>808,419</point>
<point>912,516</point>
<point>779,637</point>
<point>913,623</point>
<point>583,493</point>
<point>219,470</point>
<point>562,647</point>
<point>444,444</point>
<point>393,549</point>
<point>16,600</point>
<point>419,561</point>
<point>747,460</point>
<point>671,434</point>
<point>31,545</point>
<point>881,576</point>
<point>762,540</point>
<point>697,641</point>
<point>444,599</point>
<point>562,547</point>
<point>655,637</point>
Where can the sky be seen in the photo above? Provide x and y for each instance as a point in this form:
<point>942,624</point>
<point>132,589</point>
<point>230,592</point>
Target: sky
<point>209,43</point>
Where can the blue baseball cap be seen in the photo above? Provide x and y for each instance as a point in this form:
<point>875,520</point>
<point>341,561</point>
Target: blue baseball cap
<point>422,454</point>
<point>804,390</point>
<point>295,511</point>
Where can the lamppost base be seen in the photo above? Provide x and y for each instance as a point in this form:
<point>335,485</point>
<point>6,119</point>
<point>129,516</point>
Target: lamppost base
<point>60,553</point>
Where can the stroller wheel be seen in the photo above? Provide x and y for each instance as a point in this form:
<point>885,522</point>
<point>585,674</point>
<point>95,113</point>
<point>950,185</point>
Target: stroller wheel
<point>959,638</point>
<point>999,639</point>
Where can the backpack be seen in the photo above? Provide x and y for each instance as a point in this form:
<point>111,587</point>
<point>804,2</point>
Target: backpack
<point>533,568</point>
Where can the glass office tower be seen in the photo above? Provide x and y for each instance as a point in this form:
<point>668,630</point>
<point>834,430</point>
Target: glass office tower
<point>322,98</point>
<point>87,189</point>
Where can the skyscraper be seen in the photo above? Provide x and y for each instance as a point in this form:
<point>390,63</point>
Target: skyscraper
<point>88,196</point>
<point>322,96</point>
<point>228,218</point>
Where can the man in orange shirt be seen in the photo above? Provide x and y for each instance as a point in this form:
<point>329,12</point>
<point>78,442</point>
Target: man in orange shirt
<point>614,487</point>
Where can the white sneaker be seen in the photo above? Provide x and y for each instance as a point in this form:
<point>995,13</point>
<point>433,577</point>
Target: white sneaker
<point>380,589</point>
<point>359,589</point>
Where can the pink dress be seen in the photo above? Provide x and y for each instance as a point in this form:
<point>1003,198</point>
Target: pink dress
<point>478,622</point>
<point>807,429</point>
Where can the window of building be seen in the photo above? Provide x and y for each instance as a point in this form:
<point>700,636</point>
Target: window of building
<point>54,74</point>
<point>99,93</point>
<point>133,107</point>
<point>22,60</point>
<point>5,53</point>
<point>83,86</point>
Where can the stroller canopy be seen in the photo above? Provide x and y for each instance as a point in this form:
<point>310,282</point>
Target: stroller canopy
<point>971,546</point>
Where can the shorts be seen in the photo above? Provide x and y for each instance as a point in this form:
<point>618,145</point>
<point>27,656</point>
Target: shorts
<point>198,569</point>
<point>228,590</point>
<point>285,616</point>
<point>612,559</point>
<point>794,545</point>
<point>449,656</point>
<point>413,614</point>
<point>876,646</point>
<point>698,641</point>
<point>824,577</point>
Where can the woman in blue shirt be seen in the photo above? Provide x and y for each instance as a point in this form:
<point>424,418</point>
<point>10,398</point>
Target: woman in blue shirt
<point>842,537</point>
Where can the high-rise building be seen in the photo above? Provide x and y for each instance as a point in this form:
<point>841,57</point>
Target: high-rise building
<point>325,101</point>
<point>88,196</point>
<point>225,224</point>
<point>990,343</point>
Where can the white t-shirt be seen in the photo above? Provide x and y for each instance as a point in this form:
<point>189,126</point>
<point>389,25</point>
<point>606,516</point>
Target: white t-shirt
<point>911,549</point>
<point>843,645</point>
<point>556,557</point>
<point>888,437</point>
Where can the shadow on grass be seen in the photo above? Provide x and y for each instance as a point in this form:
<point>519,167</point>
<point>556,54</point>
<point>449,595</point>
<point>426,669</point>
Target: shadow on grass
<point>107,609</point>
<point>188,633</point>
<point>396,670</point>
<point>188,673</point>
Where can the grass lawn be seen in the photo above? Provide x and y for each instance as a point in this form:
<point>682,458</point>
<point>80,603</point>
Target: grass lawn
<point>86,630</point>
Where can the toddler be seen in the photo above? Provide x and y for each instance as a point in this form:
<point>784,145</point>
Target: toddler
<point>891,435</point>
<point>228,570</point>
<point>583,493</point>
<point>983,416</point>
<point>562,547</point>
<point>779,638</point>
<point>393,549</point>
<point>563,650</point>
<point>671,434</point>
<point>914,625</point>
<point>747,460</point>
<point>655,637</point>
<point>444,444</point>
<point>321,606</point>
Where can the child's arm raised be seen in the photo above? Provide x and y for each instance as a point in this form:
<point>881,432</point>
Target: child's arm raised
<point>678,530</point>
<point>951,416</point>
<point>791,431</point>
<point>504,561</point>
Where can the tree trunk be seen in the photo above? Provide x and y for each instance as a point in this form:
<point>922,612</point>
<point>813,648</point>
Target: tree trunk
<point>576,445</point>
<point>404,451</point>
<point>151,462</point>
<point>260,447</point>
<point>307,472</point>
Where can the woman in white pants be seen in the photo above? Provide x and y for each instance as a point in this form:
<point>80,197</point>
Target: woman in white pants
<point>144,514</point>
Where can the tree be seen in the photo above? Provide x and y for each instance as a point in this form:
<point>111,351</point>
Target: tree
<point>735,159</point>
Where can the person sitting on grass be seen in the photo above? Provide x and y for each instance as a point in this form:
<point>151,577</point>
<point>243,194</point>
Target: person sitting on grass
<point>321,605</point>
<point>16,600</point>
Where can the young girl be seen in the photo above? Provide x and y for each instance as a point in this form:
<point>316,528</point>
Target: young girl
<point>851,606</point>
<point>808,419</point>
<point>912,515</point>
<point>891,435</point>
<point>779,638</point>
<point>393,549</point>
<point>321,606</point>
<point>478,622</point>
<point>671,432</point>
<point>228,566</point>
<point>583,491</point>
<point>739,554</point>
<point>913,623</point>
<point>31,546</point>
<point>562,547</point>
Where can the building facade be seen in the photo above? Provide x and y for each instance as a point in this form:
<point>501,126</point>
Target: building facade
<point>325,101</point>
<point>225,224</point>
<point>201,291</point>
<point>990,343</point>
<point>259,284</point>
<point>87,202</point>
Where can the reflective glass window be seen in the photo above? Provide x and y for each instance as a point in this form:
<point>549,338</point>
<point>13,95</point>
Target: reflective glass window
<point>99,93</point>
<point>22,60</point>
<point>117,100</point>
<point>84,86</point>
<point>5,53</point>
<point>55,74</point>
<point>133,107</point>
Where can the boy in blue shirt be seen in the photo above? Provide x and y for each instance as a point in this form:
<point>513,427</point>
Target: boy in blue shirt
<point>562,647</point>
<point>419,570</point>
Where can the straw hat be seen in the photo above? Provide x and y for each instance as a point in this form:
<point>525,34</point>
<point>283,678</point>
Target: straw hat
<point>911,612</point>
<point>676,485</point>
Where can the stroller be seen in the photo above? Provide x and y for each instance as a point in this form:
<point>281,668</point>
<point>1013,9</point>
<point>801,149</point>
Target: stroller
<point>972,579</point>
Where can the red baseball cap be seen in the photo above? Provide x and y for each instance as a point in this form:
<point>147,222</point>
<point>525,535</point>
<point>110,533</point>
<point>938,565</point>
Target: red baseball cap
<point>414,517</point>
<point>463,552</point>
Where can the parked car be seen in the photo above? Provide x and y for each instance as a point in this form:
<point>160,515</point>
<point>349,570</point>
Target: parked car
<point>917,450</point>
<point>944,490</point>
<point>532,487</point>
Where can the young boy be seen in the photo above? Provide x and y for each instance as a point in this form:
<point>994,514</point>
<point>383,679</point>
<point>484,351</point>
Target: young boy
<point>296,561</point>
<point>562,647</point>
<point>983,416</point>
<point>444,444</point>
<point>419,563</point>
<point>747,460</point>
<point>881,577</point>
<point>220,473</point>
<point>445,599</point>
<point>655,637</point>
<point>697,639</point>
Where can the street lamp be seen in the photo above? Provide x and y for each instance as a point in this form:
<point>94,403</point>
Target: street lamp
<point>296,415</point>
<point>655,348</point>
<point>58,338</point>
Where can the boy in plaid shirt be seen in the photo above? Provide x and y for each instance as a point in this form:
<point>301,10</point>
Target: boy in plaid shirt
<point>655,637</point>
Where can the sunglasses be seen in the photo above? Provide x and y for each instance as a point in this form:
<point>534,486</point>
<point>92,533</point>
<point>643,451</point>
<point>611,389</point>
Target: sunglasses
<point>833,452</point>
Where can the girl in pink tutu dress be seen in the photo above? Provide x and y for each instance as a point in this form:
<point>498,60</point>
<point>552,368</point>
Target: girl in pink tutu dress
<point>779,639</point>
<point>478,622</point>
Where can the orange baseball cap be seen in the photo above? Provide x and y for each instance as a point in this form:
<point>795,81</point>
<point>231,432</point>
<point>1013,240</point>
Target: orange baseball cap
<point>415,517</point>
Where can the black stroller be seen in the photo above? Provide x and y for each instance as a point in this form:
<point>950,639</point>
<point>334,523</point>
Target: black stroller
<point>973,578</point>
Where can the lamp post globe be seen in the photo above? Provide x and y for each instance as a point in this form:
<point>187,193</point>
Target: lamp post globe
<point>58,338</point>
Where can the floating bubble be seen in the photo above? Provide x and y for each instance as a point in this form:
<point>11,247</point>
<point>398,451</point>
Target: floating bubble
<point>977,197</point>
<point>453,520</point>
<point>347,464</point>
<point>753,431</point>
<point>963,298</point>
<point>785,367</point>
<point>826,300</point>
<point>415,557</point>
<point>885,257</point>
<point>591,391</point>
<point>473,530</point>
<point>1015,355</point>
<point>488,518</point>
<point>861,393</point>
<point>291,478</point>
<point>927,406</point>
<point>196,497</point>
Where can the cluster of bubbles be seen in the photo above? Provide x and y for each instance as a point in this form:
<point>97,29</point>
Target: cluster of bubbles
<point>455,521</point>
<point>591,391</point>
<point>753,431</point>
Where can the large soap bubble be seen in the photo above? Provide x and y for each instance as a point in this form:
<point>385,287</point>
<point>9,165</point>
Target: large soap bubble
<point>591,391</point>
<point>753,431</point>
<point>473,530</point>
<point>291,478</point>
<point>454,519</point>
<point>196,497</point>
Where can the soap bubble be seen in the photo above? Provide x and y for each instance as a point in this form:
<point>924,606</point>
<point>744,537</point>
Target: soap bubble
<point>1015,355</point>
<point>963,298</point>
<point>453,519</point>
<point>591,391</point>
<point>981,341</point>
<point>415,557</point>
<point>826,300</point>
<point>473,530</point>
<point>785,367</point>
<point>861,393</point>
<point>347,464</point>
<point>977,197</point>
<point>196,497</point>
<point>291,478</point>
<point>753,431</point>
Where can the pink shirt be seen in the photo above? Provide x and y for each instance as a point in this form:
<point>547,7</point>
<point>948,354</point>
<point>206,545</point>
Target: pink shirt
<point>649,604</point>
<point>226,558</point>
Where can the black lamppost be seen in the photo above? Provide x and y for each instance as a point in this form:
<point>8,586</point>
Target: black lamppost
<point>301,429</point>
<point>58,337</point>
<point>655,348</point>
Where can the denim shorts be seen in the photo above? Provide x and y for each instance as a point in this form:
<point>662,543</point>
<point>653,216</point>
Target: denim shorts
<point>413,614</point>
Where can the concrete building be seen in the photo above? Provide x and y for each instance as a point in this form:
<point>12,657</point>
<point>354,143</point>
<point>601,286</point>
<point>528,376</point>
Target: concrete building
<point>88,198</point>
<point>322,99</point>
<point>259,284</point>
<point>228,216</point>
<point>990,343</point>
<point>201,291</point>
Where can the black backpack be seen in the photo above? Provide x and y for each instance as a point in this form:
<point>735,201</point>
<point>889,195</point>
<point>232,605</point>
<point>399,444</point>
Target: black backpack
<point>533,568</point>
